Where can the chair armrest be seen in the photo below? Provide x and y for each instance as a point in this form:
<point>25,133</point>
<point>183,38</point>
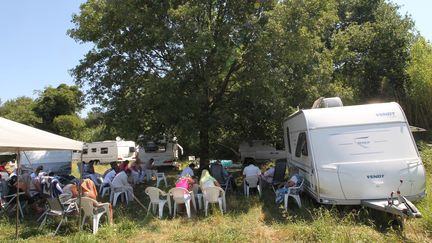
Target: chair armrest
<point>14,195</point>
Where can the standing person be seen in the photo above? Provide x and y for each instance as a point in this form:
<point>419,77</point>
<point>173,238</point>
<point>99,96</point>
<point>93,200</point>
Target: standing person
<point>121,181</point>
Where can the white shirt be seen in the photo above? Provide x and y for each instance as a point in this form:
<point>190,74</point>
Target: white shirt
<point>109,176</point>
<point>187,171</point>
<point>121,180</point>
<point>251,170</point>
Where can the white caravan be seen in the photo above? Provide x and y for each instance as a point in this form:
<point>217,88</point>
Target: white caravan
<point>259,150</point>
<point>57,161</point>
<point>164,153</point>
<point>355,154</point>
<point>108,151</point>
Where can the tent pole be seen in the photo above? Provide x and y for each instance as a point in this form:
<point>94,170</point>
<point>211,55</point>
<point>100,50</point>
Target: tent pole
<point>80,189</point>
<point>18,158</point>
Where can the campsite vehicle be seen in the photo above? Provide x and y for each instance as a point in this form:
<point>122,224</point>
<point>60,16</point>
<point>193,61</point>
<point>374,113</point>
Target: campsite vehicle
<point>108,151</point>
<point>356,155</point>
<point>57,161</point>
<point>165,152</point>
<point>259,150</point>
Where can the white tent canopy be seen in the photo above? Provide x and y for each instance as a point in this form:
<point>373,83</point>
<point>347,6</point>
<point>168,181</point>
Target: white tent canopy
<point>16,137</point>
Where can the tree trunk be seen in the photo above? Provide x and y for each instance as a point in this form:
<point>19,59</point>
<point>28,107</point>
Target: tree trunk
<point>204,138</point>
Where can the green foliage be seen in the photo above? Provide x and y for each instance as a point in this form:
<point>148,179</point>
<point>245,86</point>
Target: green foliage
<point>215,73</point>
<point>20,110</point>
<point>70,126</point>
<point>419,87</point>
<point>53,102</point>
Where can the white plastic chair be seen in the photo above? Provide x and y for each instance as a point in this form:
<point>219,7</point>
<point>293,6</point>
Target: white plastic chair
<point>155,200</point>
<point>293,192</point>
<point>116,192</point>
<point>251,182</point>
<point>214,195</point>
<point>181,196</point>
<point>159,177</point>
<point>94,212</point>
<point>104,189</point>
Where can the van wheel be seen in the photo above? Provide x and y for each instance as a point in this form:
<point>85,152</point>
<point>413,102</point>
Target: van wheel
<point>397,224</point>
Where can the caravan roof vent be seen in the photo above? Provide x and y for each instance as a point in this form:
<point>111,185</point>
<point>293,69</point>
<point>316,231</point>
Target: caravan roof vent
<point>327,102</point>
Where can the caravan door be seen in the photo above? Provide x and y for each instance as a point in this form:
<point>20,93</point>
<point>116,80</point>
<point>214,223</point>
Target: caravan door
<point>371,159</point>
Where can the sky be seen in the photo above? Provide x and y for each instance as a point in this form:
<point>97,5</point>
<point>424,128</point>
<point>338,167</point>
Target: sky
<point>36,52</point>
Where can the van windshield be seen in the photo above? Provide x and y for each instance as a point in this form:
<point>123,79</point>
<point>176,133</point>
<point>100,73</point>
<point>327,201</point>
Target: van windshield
<point>363,143</point>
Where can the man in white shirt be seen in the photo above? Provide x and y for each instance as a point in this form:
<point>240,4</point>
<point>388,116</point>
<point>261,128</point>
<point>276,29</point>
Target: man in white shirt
<point>188,170</point>
<point>251,170</point>
<point>120,181</point>
<point>109,176</point>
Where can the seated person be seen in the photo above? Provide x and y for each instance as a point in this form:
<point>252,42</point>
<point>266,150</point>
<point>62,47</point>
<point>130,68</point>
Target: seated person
<point>294,180</point>
<point>207,180</point>
<point>137,173</point>
<point>149,169</point>
<point>268,175</point>
<point>185,182</point>
<point>38,170</point>
<point>251,169</point>
<point>124,165</point>
<point>69,191</point>
<point>108,178</point>
<point>121,181</point>
<point>188,170</point>
<point>89,189</point>
<point>113,166</point>
<point>90,171</point>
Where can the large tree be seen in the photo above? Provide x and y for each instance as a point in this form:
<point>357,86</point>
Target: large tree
<point>53,102</point>
<point>217,71</point>
<point>20,110</point>
<point>166,66</point>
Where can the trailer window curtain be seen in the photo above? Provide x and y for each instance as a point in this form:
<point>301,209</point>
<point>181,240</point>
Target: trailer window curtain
<point>301,148</point>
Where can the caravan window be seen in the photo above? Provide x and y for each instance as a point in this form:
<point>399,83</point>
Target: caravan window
<point>301,148</point>
<point>152,147</point>
<point>131,149</point>
<point>288,139</point>
<point>104,150</point>
<point>85,151</point>
<point>93,150</point>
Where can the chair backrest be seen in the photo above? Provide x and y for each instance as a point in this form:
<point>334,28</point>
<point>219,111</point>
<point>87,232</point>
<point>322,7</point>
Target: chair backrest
<point>216,170</point>
<point>87,206</point>
<point>252,181</point>
<point>212,193</point>
<point>55,204</point>
<point>178,194</point>
<point>154,193</point>
<point>299,187</point>
<point>195,188</point>
<point>280,170</point>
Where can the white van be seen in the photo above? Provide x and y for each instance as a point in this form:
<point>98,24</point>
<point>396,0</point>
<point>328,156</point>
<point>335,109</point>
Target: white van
<point>259,150</point>
<point>108,151</point>
<point>354,154</point>
<point>164,153</point>
<point>57,161</point>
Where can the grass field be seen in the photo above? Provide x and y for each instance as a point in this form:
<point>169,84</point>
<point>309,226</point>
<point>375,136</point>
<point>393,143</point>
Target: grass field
<point>247,220</point>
